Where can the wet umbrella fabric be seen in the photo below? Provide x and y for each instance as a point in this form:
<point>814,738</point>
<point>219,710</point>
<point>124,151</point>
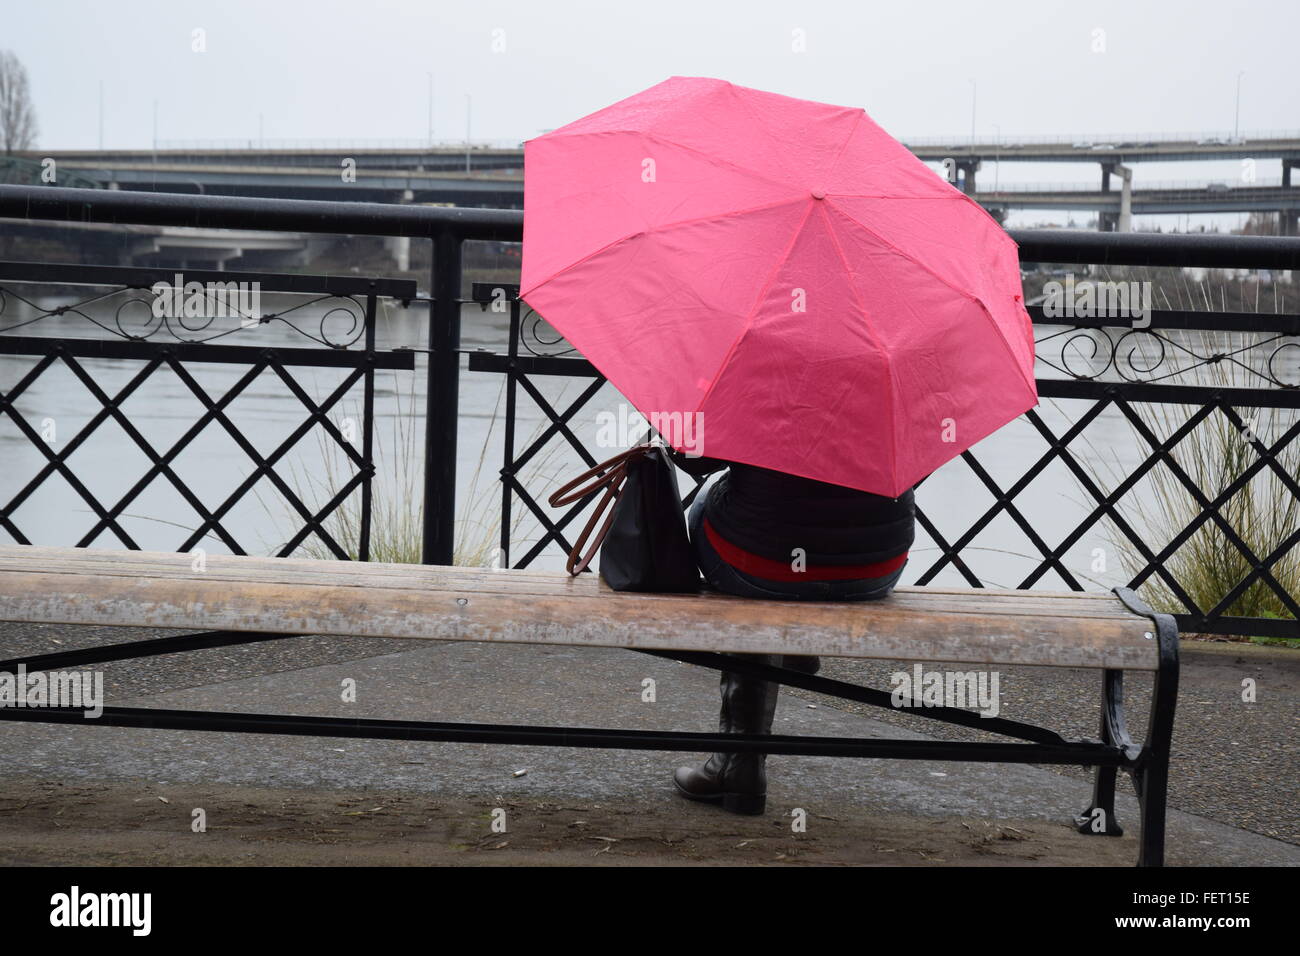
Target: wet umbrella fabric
<point>777,282</point>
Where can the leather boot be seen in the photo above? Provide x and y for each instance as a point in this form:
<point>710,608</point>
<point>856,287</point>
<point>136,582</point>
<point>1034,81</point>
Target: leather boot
<point>736,780</point>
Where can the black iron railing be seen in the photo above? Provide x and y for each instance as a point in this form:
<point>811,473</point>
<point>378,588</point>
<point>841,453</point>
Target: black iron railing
<point>151,340</point>
<point>1124,369</point>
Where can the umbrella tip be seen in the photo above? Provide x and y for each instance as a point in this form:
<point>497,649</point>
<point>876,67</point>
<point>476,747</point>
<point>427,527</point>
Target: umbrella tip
<point>819,194</point>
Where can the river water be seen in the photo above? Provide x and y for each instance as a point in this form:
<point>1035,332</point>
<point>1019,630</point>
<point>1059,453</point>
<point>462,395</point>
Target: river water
<point>163,408</point>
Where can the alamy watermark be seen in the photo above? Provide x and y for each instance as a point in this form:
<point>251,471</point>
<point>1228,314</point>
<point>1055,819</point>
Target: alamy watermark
<point>212,300</point>
<point>74,908</point>
<point>626,427</point>
<point>962,689</point>
<point>78,690</point>
<point>1088,298</point>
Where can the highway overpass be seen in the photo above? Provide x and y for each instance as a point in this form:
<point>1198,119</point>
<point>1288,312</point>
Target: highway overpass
<point>492,175</point>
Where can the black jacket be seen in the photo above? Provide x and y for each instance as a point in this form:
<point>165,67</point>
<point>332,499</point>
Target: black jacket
<point>770,513</point>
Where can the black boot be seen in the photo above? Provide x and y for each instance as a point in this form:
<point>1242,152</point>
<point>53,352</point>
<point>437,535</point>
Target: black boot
<point>736,780</point>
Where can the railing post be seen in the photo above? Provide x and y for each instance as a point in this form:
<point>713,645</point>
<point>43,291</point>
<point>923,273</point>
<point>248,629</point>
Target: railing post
<point>442,402</point>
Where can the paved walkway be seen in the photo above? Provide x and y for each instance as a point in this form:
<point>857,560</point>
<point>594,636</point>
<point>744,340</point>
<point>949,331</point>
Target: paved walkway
<point>495,683</point>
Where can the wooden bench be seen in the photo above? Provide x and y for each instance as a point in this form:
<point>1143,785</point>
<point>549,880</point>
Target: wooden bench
<point>245,599</point>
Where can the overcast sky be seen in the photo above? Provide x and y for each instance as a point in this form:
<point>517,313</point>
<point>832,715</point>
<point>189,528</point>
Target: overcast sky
<point>344,70</point>
<point>329,69</point>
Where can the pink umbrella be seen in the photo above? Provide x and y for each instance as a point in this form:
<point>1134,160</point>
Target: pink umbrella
<point>782,275</point>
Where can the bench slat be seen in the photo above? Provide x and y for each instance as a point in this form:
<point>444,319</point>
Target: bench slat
<point>545,583</point>
<point>308,571</point>
<point>300,596</point>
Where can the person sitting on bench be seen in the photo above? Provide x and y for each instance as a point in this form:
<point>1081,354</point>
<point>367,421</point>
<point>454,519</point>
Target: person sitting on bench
<point>766,534</point>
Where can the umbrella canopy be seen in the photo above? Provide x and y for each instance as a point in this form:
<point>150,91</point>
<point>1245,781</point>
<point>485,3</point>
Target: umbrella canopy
<point>781,273</point>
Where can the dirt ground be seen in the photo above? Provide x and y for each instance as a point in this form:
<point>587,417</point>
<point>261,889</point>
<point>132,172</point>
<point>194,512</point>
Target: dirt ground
<point>48,823</point>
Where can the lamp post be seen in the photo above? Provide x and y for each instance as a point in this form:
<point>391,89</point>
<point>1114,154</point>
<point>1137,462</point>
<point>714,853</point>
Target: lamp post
<point>997,155</point>
<point>972,113</point>
<point>1236,120</point>
<point>430,76</point>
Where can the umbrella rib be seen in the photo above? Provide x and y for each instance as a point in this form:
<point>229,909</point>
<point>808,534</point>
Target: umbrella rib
<point>884,352</point>
<point>958,197</point>
<point>663,227</point>
<point>753,309</point>
<point>830,173</point>
<point>709,159</point>
<point>953,195</point>
<point>980,302</point>
<point>758,125</point>
<point>719,161</point>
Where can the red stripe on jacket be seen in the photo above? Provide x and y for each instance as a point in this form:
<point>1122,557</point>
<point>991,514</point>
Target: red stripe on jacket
<point>770,570</point>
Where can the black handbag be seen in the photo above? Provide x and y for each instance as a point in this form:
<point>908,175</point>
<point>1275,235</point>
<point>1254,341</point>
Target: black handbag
<point>643,543</point>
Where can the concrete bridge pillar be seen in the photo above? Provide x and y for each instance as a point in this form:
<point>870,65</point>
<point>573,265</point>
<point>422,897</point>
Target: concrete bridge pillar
<point>227,255</point>
<point>1289,219</point>
<point>1105,220</point>
<point>1123,220</point>
<point>967,168</point>
<point>1125,223</point>
<point>400,246</point>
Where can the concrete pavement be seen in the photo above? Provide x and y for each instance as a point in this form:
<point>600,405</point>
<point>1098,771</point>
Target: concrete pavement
<point>547,685</point>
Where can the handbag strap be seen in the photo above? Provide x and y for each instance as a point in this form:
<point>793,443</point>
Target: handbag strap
<point>609,475</point>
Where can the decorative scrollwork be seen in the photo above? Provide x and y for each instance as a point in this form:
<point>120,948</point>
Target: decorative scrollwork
<point>1152,356</point>
<point>1072,345</point>
<point>538,337</point>
<point>356,323</point>
<point>1274,374</point>
<point>139,318</point>
<point>151,324</point>
<point>1123,359</point>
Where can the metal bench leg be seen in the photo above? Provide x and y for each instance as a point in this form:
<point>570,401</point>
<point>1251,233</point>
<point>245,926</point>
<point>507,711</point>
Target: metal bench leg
<point>1151,783</point>
<point>1151,775</point>
<point>1148,765</point>
<point>1098,818</point>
